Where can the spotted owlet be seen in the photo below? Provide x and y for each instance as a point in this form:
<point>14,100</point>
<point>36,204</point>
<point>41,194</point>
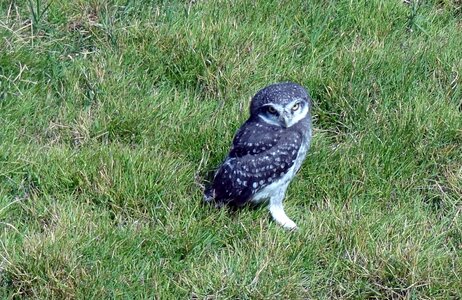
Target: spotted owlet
<point>267,151</point>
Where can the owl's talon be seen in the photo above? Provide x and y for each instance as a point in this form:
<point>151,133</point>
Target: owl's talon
<point>277,211</point>
<point>290,226</point>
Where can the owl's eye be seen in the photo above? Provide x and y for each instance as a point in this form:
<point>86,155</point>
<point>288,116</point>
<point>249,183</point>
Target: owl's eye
<point>271,110</point>
<point>296,106</point>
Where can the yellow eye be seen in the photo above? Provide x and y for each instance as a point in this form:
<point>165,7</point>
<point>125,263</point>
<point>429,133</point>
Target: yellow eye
<point>271,110</point>
<point>296,106</point>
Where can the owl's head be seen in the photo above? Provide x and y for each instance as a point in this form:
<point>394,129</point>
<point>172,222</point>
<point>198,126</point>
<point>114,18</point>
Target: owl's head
<point>281,104</point>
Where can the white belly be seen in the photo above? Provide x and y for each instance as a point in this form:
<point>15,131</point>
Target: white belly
<point>281,185</point>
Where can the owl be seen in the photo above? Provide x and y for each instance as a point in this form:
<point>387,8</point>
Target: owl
<point>267,151</point>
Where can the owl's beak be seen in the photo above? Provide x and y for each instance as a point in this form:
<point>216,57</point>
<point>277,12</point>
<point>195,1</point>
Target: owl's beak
<point>284,119</point>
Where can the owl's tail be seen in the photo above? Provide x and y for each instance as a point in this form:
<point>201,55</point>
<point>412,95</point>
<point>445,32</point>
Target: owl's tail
<point>209,194</point>
<point>210,197</point>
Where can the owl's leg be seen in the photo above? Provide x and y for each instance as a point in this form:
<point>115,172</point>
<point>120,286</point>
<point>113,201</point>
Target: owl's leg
<point>277,211</point>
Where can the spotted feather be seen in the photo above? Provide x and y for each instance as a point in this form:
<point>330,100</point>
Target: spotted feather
<point>260,155</point>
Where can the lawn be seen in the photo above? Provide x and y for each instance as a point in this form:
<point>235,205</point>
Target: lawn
<point>112,113</point>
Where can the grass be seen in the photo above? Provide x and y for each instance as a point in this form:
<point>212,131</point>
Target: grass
<point>110,111</point>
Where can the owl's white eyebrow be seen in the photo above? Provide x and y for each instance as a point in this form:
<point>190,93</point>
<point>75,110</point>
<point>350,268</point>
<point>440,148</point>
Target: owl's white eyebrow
<point>276,106</point>
<point>298,100</point>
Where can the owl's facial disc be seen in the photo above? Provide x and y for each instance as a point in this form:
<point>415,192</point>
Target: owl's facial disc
<point>271,114</point>
<point>295,111</point>
<point>284,115</point>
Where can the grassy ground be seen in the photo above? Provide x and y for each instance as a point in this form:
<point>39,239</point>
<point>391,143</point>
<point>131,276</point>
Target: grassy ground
<point>110,111</point>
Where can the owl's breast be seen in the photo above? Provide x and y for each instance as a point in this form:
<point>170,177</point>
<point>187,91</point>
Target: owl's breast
<point>281,184</point>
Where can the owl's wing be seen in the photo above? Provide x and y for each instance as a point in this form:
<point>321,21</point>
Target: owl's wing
<point>250,167</point>
<point>253,138</point>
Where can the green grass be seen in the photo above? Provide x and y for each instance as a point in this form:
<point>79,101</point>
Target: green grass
<point>112,111</point>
